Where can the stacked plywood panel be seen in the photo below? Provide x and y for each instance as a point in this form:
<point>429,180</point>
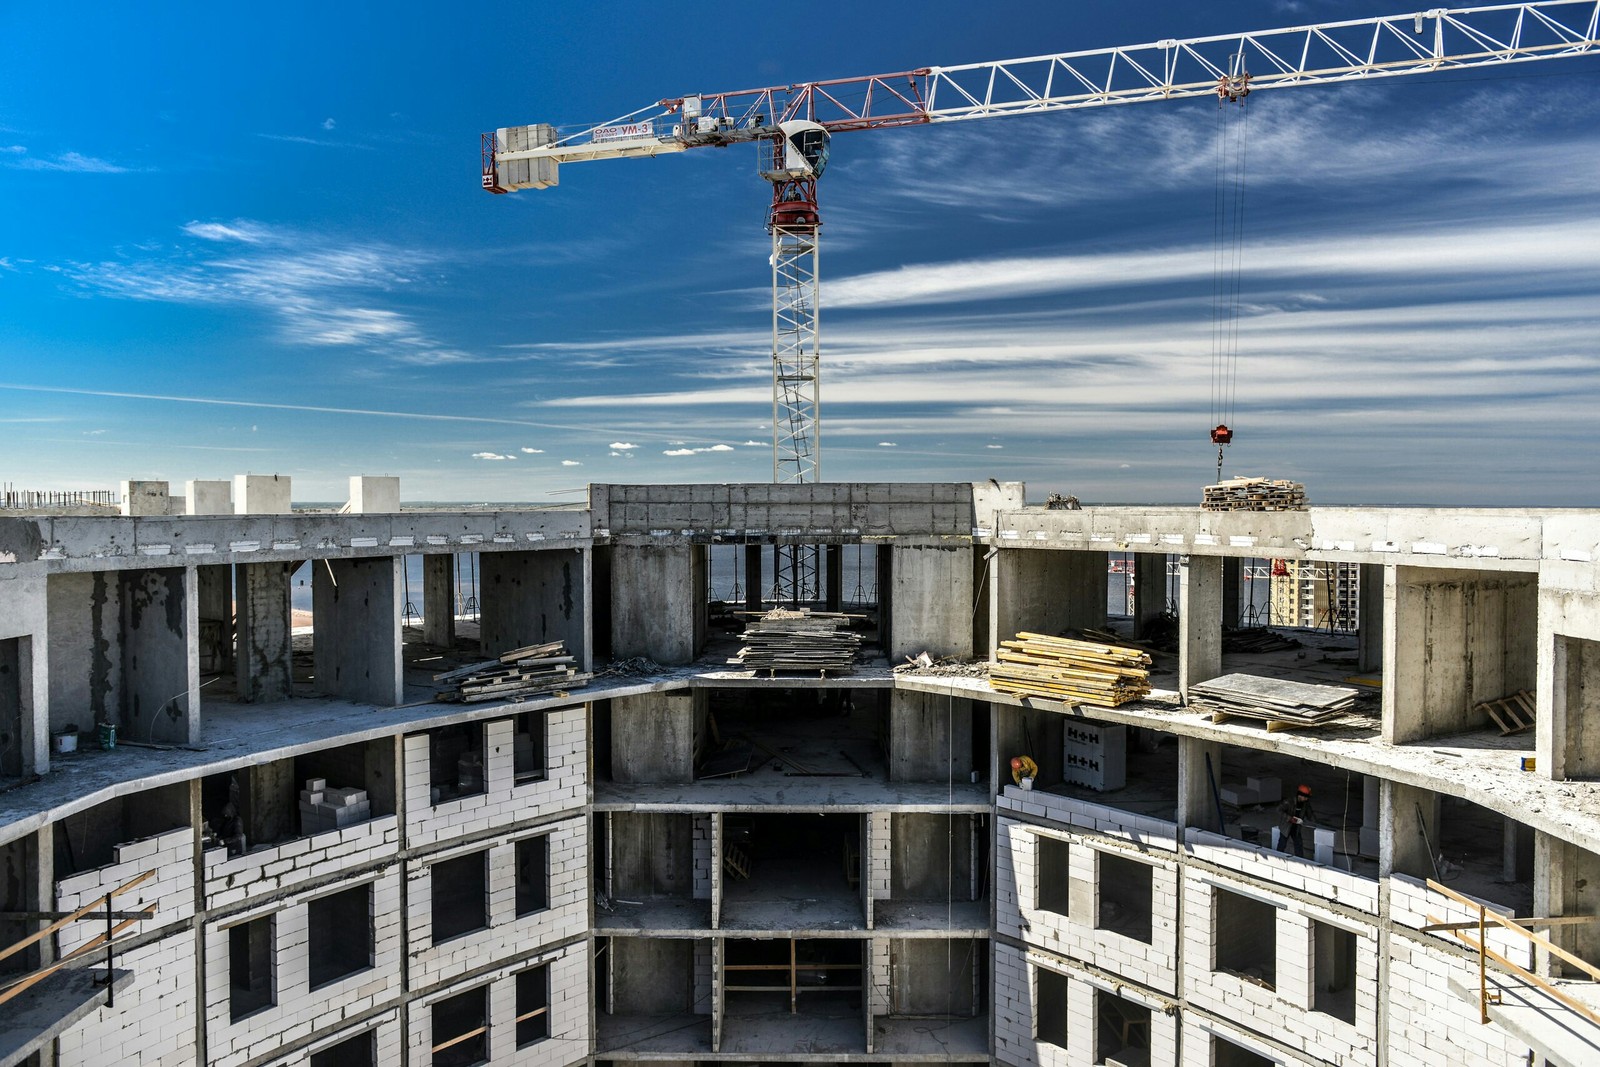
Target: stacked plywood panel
<point>1254,494</point>
<point>1079,672</point>
<point>521,672</point>
<point>784,640</point>
<point>1280,703</point>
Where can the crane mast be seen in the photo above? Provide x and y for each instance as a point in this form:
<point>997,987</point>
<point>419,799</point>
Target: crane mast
<point>796,120</point>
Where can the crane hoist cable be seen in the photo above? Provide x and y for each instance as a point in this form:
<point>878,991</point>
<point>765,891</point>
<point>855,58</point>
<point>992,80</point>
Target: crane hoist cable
<point>1232,139</point>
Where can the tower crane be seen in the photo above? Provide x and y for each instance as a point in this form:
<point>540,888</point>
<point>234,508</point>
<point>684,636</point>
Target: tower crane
<point>795,124</point>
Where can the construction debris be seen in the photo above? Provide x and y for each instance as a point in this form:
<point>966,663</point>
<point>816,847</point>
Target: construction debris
<point>1255,639</point>
<point>1059,668</point>
<point>1057,502</point>
<point>923,664</point>
<point>804,640</point>
<point>1281,704</point>
<point>637,667</point>
<point>518,673</point>
<point>1512,714</point>
<point>1254,494</point>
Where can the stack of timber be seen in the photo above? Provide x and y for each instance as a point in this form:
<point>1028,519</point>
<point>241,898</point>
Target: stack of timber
<point>1281,704</point>
<point>785,640</point>
<point>1078,672</point>
<point>1254,494</point>
<point>521,672</point>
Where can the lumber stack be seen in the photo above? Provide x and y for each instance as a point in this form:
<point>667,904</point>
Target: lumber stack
<point>521,672</point>
<point>1254,494</point>
<point>1280,703</point>
<point>1079,672</point>
<point>785,640</point>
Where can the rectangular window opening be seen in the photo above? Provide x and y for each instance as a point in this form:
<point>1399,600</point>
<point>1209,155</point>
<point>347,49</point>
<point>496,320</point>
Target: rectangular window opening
<point>533,875</point>
<point>1050,864</point>
<point>1244,936</point>
<point>533,1006</point>
<point>455,761</point>
<point>1227,1054</point>
<point>1124,902</point>
<point>530,759</point>
<point>250,967</point>
<point>460,895</point>
<point>358,1051</point>
<point>1121,1026</point>
<point>1335,990</point>
<point>1050,1007</point>
<point>339,929</point>
<point>461,1029</point>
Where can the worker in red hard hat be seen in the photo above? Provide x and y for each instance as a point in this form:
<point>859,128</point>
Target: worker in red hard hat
<point>1296,813</point>
<point>1023,767</point>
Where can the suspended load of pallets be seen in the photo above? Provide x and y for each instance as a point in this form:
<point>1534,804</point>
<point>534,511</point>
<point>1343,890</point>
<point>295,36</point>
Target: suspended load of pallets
<point>1254,494</point>
<point>1078,672</point>
<point>785,640</point>
<point>521,672</point>
<point>1280,703</point>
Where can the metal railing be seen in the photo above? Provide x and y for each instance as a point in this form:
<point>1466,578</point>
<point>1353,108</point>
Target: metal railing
<point>95,909</point>
<point>27,499</point>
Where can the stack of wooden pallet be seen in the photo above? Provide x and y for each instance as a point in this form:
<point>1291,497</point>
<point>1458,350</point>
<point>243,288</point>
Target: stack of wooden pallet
<point>1281,704</point>
<point>521,672</point>
<point>1254,494</point>
<point>1078,672</point>
<point>784,640</point>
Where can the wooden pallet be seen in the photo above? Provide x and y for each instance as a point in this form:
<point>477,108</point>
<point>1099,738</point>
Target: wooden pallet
<point>1513,714</point>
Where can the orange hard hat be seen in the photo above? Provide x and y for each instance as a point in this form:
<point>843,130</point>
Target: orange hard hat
<point>1016,763</point>
<point>1305,790</point>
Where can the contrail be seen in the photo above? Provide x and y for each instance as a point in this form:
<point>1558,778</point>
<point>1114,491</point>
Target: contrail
<point>301,407</point>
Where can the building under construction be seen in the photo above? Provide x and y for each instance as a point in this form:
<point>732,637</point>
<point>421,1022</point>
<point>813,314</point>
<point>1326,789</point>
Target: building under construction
<point>303,856</point>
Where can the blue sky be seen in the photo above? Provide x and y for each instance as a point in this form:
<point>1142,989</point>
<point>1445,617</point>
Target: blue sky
<point>253,240</point>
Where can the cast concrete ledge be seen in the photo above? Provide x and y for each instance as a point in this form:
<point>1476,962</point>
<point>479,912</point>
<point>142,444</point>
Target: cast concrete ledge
<point>35,1018</point>
<point>1474,766</point>
<point>1535,1018</point>
<point>819,512</point>
<point>1459,538</point>
<point>92,544</point>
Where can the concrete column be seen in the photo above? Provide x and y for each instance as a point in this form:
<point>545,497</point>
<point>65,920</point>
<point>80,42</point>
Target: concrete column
<point>652,738</point>
<point>1197,803</point>
<point>930,601</point>
<point>439,600</point>
<point>144,498</point>
<point>160,664</point>
<point>1046,591</point>
<point>1406,846</point>
<point>262,657</point>
<point>355,607</point>
<point>1566,881</point>
<point>1199,616</point>
<point>1369,606</point>
<point>930,738</point>
<point>530,598</point>
<point>261,494</point>
<point>657,602</point>
<point>1232,571</point>
<point>371,495</point>
<point>214,615</point>
<point>1149,590</point>
<point>753,592</point>
<point>833,585</point>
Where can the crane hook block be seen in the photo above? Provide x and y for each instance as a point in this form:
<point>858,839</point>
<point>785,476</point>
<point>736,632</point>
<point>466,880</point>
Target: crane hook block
<point>1221,435</point>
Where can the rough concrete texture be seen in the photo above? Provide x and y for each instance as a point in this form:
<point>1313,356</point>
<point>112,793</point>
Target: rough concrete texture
<point>930,600</point>
<point>657,602</point>
<point>208,497</point>
<point>261,494</point>
<point>439,600</point>
<point>374,495</point>
<point>530,598</point>
<point>263,650</point>
<point>144,498</point>
<point>1046,592</point>
<point>356,622</point>
<point>653,738</point>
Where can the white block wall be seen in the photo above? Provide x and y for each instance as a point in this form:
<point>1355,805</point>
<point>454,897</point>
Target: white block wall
<point>300,1011</point>
<point>569,1013</point>
<point>153,1022</point>
<point>703,831</point>
<point>169,855</point>
<point>1283,870</point>
<point>231,883</point>
<point>506,935</point>
<point>388,1043</point>
<point>502,801</point>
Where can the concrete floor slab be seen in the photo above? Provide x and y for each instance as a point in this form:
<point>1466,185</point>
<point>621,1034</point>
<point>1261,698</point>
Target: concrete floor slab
<point>33,1018</point>
<point>929,1039</point>
<point>1544,1024</point>
<point>692,917</point>
<point>931,918</point>
<point>680,1036</point>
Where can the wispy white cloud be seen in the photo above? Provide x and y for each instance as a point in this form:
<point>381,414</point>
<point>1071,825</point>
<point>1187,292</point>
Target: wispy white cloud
<point>328,124</point>
<point>242,230</point>
<point>886,444</point>
<point>531,451</point>
<point>65,162</point>
<point>493,456</point>
<point>623,446</point>
<point>571,463</point>
<point>697,451</point>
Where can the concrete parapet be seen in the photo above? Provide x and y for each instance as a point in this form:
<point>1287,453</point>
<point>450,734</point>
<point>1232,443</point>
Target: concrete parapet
<point>261,494</point>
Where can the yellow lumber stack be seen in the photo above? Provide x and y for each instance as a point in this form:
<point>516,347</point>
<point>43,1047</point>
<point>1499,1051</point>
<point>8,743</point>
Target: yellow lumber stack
<point>1079,672</point>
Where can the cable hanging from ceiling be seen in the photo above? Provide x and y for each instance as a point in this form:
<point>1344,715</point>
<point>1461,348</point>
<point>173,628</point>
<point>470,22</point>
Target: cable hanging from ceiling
<point>1232,141</point>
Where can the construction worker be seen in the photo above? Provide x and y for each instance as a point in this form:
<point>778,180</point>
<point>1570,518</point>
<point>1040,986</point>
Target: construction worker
<point>1296,813</point>
<point>1023,767</point>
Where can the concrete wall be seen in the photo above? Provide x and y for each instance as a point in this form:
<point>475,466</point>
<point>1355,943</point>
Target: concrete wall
<point>160,664</point>
<point>85,622</point>
<point>263,653</point>
<point>930,738</point>
<point>356,622</point>
<point>653,738</point>
<point>930,599</point>
<point>1046,592</point>
<point>530,598</point>
<point>657,602</point>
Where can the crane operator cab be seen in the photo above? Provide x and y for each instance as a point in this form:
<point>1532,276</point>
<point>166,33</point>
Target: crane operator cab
<point>802,153</point>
